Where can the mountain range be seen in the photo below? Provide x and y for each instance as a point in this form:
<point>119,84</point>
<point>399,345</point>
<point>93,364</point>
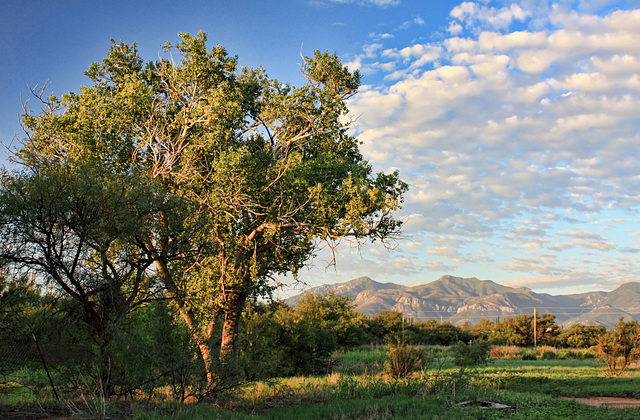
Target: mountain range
<point>459,300</point>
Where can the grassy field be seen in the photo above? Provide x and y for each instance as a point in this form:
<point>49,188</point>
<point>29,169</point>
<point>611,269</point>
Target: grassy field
<point>358,389</point>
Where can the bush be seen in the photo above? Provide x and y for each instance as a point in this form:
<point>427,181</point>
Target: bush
<point>581,336</point>
<point>548,355</point>
<point>504,352</point>
<point>546,352</point>
<point>472,354</point>
<point>575,354</point>
<point>277,341</point>
<point>403,360</point>
<point>528,354</point>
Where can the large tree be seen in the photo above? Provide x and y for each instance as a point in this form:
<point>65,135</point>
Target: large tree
<point>269,171</point>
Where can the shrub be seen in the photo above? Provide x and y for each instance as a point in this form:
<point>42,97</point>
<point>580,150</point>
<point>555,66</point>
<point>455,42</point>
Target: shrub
<point>361,361</point>
<point>546,352</point>
<point>581,336</point>
<point>620,347</point>
<point>279,342</point>
<point>581,353</point>
<point>548,355</point>
<point>403,360</point>
<point>504,352</point>
<point>472,354</point>
<point>528,354</point>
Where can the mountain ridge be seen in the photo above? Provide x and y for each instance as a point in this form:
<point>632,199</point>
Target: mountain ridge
<point>468,300</point>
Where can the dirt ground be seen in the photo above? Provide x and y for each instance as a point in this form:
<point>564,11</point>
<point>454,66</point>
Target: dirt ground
<point>608,401</point>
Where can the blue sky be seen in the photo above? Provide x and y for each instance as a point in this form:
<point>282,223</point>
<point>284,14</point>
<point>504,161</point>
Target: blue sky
<point>516,123</point>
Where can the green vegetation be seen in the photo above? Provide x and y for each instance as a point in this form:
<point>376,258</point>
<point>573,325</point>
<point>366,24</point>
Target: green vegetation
<point>360,386</point>
<point>337,381</point>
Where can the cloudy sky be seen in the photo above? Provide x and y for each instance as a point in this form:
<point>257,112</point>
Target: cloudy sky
<point>516,123</point>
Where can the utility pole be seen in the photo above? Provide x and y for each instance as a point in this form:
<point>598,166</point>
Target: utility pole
<point>535,328</point>
<point>403,329</point>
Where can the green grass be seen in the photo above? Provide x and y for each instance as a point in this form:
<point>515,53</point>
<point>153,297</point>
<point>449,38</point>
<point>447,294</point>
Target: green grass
<point>559,377</point>
<point>525,406</point>
<point>358,390</point>
<point>363,360</point>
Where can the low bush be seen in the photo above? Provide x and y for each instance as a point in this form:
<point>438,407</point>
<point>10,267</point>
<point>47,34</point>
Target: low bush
<point>546,352</point>
<point>470,355</point>
<point>361,361</point>
<point>548,355</point>
<point>504,352</point>
<point>403,360</point>
<point>528,354</point>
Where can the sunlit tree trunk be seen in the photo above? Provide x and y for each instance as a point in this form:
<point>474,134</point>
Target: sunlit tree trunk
<point>230,343</point>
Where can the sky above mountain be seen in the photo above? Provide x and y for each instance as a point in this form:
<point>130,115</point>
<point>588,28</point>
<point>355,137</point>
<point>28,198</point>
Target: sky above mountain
<point>516,123</point>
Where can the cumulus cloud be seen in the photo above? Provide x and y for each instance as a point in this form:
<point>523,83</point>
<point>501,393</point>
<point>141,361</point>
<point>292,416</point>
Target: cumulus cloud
<point>477,16</point>
<point>495,128</point>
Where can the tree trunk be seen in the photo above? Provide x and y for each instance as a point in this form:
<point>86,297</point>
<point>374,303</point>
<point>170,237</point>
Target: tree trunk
<point>106,366</point>
<point>229,346</point>
<point>207,358</point>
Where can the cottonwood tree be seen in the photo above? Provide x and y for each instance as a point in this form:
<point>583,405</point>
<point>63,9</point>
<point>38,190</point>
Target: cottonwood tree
<point>75,228</point>
<point>269,172</point>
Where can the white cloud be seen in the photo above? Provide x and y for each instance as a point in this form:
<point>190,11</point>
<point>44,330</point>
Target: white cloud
<point>473,14</point>
<point>495,125</point>
<point>585,82</point>
<point>560,282</point>
<point>380,37</point>
<point>371,49</point>
<point>455,28</point>
<point>488,41</point>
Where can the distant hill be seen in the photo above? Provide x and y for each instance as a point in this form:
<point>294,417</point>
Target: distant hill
<point>605,316</point>
<point>350,288</point>
<point>459,300</point>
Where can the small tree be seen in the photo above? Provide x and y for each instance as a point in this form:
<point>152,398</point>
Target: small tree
<point>336,314</point>
<point>388,324</point>
<point>74,228</point>
<point>519,331</point>
<point>582,336</point>
<point>620,347</point>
